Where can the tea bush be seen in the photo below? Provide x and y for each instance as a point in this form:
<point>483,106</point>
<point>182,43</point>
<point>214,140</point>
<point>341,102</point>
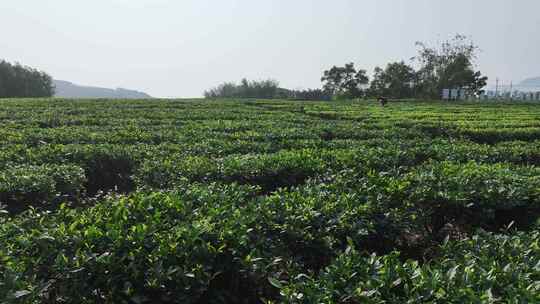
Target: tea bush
<point>486,268</point>
<point>268,201</point>
<point>26,185</point>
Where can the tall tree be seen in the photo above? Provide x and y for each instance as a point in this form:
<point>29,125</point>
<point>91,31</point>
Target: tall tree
<point>448,66</point>
<point>344,82</point>
<point>477,83</point>
<point>20,81</point>
<point>396,80</point>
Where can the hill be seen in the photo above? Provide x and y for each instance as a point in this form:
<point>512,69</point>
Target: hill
<point>67,89</point>
<point>531,82</point>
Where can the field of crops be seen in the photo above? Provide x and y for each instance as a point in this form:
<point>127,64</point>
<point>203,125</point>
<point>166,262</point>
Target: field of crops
<point>269,202</point>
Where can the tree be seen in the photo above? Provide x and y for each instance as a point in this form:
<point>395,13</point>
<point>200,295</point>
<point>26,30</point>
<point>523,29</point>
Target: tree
<point>397,80</point>
<point>224,90</point>
<point>344,82</point>
<point>449,66</point>
<point>246,89</point>
<point>20,81</point>
<point>478,83</point>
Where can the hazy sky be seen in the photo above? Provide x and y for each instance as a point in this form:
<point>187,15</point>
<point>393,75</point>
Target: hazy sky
<point>180,48</point>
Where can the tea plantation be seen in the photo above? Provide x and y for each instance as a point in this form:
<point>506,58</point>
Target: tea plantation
<point>256,201</point>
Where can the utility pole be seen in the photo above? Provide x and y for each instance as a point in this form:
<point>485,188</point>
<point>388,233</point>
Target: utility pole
<point>497,88</point>
<point>511,90</point>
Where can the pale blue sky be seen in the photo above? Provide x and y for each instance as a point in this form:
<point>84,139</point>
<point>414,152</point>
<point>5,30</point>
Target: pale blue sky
<point>180,48</point>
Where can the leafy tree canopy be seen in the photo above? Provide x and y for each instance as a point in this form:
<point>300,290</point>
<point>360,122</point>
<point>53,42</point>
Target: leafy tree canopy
<point>449,66</point>
<point>344,82</point>
<point>397,80</point>
<point>20,81</point>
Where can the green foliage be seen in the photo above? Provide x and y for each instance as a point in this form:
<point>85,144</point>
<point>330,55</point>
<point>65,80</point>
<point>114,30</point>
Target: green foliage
<point>20,81</point>
<point>449,66</point>
<point>476,185</point>
<point>268,171</point>
<point>246,89</point>
<point>397,80</point>
<point>138,248</point>
<point>267,201</point>
<point>486,268</point>
<point>25,185</point>
<point>344,82</point>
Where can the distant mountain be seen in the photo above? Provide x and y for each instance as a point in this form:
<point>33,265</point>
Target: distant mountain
<point>67,89</point>
<point>527,85</point>
<point>531,82</point>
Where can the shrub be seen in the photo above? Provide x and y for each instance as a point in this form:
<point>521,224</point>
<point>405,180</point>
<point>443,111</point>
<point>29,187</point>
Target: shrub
<point>483,269</point>
<point>21,186</point>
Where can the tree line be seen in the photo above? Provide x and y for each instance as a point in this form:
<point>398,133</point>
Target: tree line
<point>450,65</point>
<point>266,89</point>
<point>246,89</point>
<point>21,81</point>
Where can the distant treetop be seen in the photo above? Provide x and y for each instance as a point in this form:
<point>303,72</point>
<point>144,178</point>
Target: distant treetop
<point>21,81</point>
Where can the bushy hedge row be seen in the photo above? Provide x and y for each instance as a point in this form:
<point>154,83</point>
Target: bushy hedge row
<point>268,202</point>
<point>270,171</point>
<point>123,168</point>
<point>194,247</point>
<point>25,185</point>
<point>316,126</point>
<point>486,268</point>
<point>464,195</point>
<point>223,244</point>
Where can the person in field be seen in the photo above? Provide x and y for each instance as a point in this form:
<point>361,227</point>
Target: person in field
<point>382,100</point>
